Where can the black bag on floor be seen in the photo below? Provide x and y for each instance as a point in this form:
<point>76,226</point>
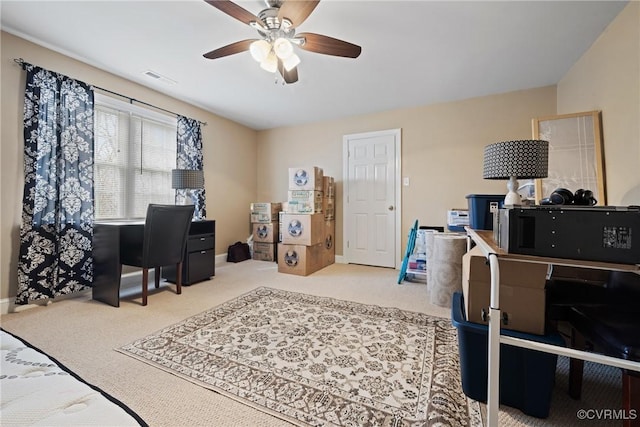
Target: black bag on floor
<point>238,252</point>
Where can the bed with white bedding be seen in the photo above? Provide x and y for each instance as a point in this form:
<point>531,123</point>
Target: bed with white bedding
<point>37,390</point>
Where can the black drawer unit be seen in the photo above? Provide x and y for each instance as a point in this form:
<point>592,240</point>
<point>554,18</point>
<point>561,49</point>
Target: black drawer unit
<point>199,257</point>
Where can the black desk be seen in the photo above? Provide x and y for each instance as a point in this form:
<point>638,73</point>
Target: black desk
<point>107,237</point>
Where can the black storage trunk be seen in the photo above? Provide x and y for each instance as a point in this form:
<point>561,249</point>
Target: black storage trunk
<point>605,234</point>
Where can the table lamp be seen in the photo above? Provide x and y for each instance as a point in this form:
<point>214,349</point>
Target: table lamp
<point>187,179</point>
<point>513,160</point>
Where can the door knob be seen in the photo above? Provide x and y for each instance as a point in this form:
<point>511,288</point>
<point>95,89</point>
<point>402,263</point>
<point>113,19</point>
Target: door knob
<point>390,208</point>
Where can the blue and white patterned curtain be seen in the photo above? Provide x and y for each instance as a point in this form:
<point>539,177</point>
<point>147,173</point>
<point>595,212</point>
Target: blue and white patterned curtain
<point>189,156</point>
<point>58,209</point>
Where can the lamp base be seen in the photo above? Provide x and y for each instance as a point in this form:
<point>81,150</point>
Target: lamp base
<point>512,197</point>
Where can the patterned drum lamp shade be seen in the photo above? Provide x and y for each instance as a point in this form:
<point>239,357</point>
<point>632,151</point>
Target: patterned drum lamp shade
<point>187,179</point>
<point>513,160</point>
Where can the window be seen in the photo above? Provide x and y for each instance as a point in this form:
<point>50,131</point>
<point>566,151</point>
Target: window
<point>135,150</point>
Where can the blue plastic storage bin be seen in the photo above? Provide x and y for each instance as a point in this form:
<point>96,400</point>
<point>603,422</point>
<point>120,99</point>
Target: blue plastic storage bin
<point>480,216</point>
<point>526,376</point>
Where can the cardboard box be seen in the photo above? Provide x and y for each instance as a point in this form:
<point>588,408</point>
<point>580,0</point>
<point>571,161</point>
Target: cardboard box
<point>265,251</point>
<point>328,186</point>
<point>304,201</point>
<point>313,196</point>
<point>299,259</point>
<point>329,248</point>
<point>458,217</point>
<point>305,178</point>
<point>329,208</point>
<point>522,293</point>
<point>265,232</point>
<point>265,212</point>
<point>302,229</point>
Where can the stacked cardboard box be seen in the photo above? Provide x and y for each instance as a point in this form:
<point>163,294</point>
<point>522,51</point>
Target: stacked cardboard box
<point>307,237</point>
<point>264,225</point>
<point>329,211</point>
<point>304,201</point>
<point>329,198</point>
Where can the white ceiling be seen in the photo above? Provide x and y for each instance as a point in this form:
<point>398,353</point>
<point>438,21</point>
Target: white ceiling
<point>413,52</point>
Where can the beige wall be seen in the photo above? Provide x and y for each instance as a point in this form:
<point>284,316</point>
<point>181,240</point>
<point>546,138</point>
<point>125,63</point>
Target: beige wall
<point>441,144</point>
<point>230,185</point>
<point>607,78</point>
<point>442,151</point>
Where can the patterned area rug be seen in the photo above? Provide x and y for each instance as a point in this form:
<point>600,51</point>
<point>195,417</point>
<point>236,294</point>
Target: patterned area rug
<point>319,361</point>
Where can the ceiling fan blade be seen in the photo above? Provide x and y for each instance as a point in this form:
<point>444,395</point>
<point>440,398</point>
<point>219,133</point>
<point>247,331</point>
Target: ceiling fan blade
<point>297,11</point>
<point>328,45</point>
<point>290,76</point>
<point>230,49</point>
<point>235,11</point>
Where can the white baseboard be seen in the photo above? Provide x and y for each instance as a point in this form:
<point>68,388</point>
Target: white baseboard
<point>8,305</point>
<point>220,259</point>
<point>127,281</point>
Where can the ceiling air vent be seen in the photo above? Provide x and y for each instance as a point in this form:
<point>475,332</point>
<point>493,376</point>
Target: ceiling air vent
<point>159,77</point>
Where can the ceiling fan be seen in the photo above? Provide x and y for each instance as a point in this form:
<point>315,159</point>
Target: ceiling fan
<point>276,26</point>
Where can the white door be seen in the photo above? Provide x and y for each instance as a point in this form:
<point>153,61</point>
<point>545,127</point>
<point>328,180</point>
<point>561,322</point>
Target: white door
<point>371,196</point>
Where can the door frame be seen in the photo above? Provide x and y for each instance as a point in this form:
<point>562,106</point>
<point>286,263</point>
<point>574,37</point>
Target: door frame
<point>397,134</point>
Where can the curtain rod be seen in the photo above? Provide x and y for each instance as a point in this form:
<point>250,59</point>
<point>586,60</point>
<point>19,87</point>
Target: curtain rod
<point>21,62</point>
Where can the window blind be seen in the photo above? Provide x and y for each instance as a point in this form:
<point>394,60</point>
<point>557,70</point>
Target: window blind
<point>135,150</point>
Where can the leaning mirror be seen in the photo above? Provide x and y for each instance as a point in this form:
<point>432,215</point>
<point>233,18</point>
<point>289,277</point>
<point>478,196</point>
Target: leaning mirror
<point>576,157</point>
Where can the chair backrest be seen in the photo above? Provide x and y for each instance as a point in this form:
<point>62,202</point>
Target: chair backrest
<point>166,229</point>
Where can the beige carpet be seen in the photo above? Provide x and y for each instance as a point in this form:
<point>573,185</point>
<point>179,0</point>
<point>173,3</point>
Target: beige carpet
<point>319,361</point>
<point>82,334</point>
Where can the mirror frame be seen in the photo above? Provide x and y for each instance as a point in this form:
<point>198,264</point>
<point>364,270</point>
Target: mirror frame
<point>575,120</point>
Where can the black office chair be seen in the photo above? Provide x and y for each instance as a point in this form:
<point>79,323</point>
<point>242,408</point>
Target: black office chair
<point>162,243</point>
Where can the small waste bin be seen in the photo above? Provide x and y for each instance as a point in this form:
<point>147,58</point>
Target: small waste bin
<point>526,376</point>
<point>480,215</point>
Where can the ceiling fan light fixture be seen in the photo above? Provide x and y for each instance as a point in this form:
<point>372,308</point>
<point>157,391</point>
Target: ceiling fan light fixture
<point>270,63</point>
<point>283,48</point>
<point>259,50</point>
<point>291,62</point>
<point>276,26</point>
